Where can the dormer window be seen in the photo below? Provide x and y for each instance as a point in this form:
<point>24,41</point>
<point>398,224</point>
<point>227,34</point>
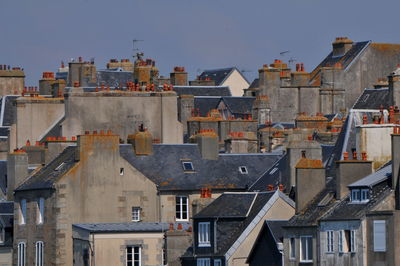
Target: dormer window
<point>359,195</point>
<point>243,170</point>
<point>204,235</point>
<point>188,166</point>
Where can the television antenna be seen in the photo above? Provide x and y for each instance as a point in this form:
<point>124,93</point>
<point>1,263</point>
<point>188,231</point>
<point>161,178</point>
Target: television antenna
<point>284,53</point>
<point>135,51</point>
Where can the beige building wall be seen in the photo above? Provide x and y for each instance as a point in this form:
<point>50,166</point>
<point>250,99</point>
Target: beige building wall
<point>35,116</point>
<point>280,210</point>
<point>123,112</point>
<point>93,191</point>
<point>236,83</point>
<point>6,257</point>
<point>110,249</point>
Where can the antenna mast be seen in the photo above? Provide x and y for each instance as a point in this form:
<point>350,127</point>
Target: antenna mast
<point>135,51</point>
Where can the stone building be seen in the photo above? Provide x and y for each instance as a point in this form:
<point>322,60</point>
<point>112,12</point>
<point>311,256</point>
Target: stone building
<point>334,85</point>
<point>12,80</point>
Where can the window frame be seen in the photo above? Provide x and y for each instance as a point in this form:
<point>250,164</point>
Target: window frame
<point>181,209</point>
<point>292,248</point>
<point>40,210</point>
<point>306,260</point>
<point>364,195</point>
<point>340,241</point>
<point>39,253</point>
<point>375,248</point>
<point>217,262</point>
<point>203,234</point>
<point>22,211</point>
<point>203,262</point>
<point>330,241</point>
<point>136,213</point>
<point>185,168</point>
<point>355,192</point>
<point>245,172</point>
<point>352,248</point>
<point>133,251</point>
<point>21,254</point>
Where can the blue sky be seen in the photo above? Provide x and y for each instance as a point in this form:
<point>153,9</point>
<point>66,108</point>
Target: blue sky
<point>197,34</point>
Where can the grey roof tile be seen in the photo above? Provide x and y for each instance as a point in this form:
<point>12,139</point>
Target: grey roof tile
<point>218,75</point>
<point>276,228</point>
<point>128,227</point>
<point>374,178</point>
<point>202,90</point>
<point>205,104</point>
<point>239,105</point>
<point>373,99</point>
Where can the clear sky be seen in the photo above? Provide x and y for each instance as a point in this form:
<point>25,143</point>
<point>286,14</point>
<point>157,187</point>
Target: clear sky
<point>197,34</point>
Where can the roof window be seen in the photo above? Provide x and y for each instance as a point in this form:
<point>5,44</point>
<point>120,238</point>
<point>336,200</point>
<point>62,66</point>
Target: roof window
<point>359,195</point>
<point>243,170</point>
<point>187,166</point>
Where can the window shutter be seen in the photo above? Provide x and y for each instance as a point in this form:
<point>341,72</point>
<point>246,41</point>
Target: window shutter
<point>379,235</point>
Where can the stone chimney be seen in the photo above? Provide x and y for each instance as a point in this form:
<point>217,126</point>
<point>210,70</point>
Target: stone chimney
<point>142,141</point>
<point>186,110</point>
<point>341,46</point>
<point>179,77</point>
<point>310,180</point>
<point>17,171</point>
<point>300,77</point>
<point>260,110</point>
<point>241,142</point>
<point>96,144</point>
<point>45,84</point>
<point>207,140</point>
<point>394,87</point>
<point>82,73</point>
<point>396,164</point>
<point>349,171</point>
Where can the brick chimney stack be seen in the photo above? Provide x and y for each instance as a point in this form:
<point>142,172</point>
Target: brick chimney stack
<point>341,46</point>
<point>179,77</point>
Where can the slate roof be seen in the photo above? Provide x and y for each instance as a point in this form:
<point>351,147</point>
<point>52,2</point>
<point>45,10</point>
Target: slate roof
<point>4,131</point>
<point>9,111</point>
<point>345,60</point>
<point>128,227</point>
<point>164,167</point>
<point>206,103</point>
<point>3,176</point>
<point>114,78</point>
<point>202,90</point>
<point>373,99</point>
<point>46,176</point>
<point>278,173</point>
<point>239,105</point>
<point>346,210</point>
<point>255,84</point>
<point>6,207</point>
<point>229,205</point>
<point>327,151</point>
<point>218,75</point>
<point>374,178</point>
<point>276,228</point>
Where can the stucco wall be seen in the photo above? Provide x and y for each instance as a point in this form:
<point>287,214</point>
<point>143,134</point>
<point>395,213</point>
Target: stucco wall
<point>236,83</point>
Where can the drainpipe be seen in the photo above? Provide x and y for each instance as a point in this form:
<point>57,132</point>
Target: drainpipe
<point>280,249</point>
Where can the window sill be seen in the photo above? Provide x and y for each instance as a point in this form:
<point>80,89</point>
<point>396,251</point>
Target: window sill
<point>306,261</point>
<point>182,220</point>
<point>204,245</point>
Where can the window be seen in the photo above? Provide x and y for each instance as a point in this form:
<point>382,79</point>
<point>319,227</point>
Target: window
<point>40,210</point>
<point>217,263</point>
<point>355,195</point>
<point>135,214</point>
<point>203,262</point>
<point>306,249</point>
<point>2,234</point>
<point>133,256</point>
<point>347,241</point>
<point>379,235</point>
<point>182,211</point>
<point>121,171</point>
<point>364,194</point>
<point>39,254</point>
<point>292,248</point>
<point>21,254</point>
<point>22,207</point>
<point>204,235</point>
<point>243,170</point>
<point>329,241</point>
<point>187,166</point>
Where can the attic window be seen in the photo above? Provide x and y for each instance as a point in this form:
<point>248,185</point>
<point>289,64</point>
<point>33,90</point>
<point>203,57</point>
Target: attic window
<point>60,166</point>
<point>187,166</point>
<point>243,170</point>
<point>359,195</point>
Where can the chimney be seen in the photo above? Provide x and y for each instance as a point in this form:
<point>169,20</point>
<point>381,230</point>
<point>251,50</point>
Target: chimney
<point>142,141</point>
<point>207,141</point>
<point>396,164</point>
<point>17,171</point>
<point>310,180</point>
<point>341,46</point>
<point>394,87</point>
<point>179,77</point>
<point>97,144</point>
<point>349,171</point>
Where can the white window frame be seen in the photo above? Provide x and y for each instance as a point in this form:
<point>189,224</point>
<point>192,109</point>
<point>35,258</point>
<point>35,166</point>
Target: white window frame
<point>181,210</point>
<point>292,247</point>
<point>243,172</point>
<point>329,241</point>
<point>355,192</point>
<point>382,224</point>
<point>22,211</point>
<point>191,166</point>
<point>307,249</point>
<point>217,262</point>
<point>340,241</point>
<point>121,171</point>
<point>3,234</point>
<point>40,210</point>
<point>133,250</point>
<point>352,248</point>
<point>204,231</point>
<point>364,195</point>
<point>21,254</point>
<point>203,262</point>
<point>39,248</point>
<point>136,214</point>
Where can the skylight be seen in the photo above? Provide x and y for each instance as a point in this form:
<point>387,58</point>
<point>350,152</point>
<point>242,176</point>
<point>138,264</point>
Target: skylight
<point>243,170</point>
<point>187,166</point>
